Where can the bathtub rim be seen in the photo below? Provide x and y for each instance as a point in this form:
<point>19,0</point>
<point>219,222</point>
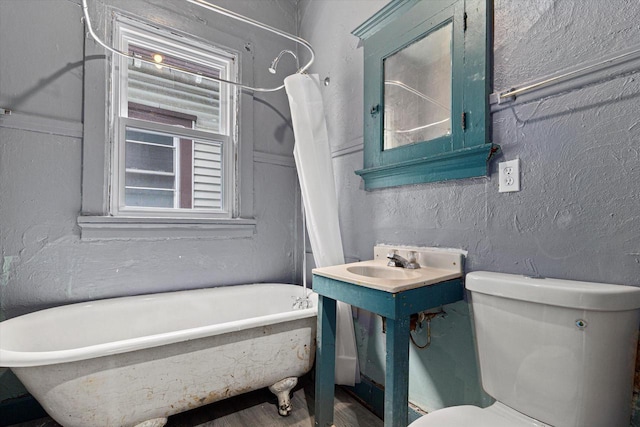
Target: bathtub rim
<point>23,359</point>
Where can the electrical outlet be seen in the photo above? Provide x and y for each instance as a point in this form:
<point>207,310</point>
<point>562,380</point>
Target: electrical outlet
<point>509,175</point>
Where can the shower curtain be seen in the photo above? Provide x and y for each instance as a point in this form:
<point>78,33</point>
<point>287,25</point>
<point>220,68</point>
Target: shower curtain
<point>315,173</point>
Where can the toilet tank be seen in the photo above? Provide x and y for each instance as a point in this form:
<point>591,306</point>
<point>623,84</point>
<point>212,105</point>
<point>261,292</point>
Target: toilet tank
<point>560,351</point>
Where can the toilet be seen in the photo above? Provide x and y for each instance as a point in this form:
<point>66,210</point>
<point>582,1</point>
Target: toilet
<point>552,352</point>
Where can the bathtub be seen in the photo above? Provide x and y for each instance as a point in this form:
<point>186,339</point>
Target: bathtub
<point>134,361</point>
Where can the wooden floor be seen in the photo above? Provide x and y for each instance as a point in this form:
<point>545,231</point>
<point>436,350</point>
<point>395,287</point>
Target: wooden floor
<point>259,409</point>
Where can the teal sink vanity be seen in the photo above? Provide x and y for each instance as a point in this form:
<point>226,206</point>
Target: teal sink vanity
<point>394,293</point>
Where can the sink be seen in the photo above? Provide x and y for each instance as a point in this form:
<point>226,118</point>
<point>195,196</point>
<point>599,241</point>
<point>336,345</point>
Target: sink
<point>435,266</point>
<point>389,273</point>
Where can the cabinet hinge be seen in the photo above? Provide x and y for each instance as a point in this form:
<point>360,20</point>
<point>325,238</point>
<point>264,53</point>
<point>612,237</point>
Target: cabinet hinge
<point>463,121</point>
<point>464,22</point>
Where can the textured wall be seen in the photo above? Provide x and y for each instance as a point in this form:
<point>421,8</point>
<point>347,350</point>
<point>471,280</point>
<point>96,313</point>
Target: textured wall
<point>43,261</point>
<point>578,214</point>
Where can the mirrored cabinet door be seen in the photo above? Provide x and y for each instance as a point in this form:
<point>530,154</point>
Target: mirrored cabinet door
<point>417,90</point>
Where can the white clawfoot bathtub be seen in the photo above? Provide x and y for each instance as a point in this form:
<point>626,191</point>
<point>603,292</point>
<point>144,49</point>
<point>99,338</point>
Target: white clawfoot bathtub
<point>134,361</point>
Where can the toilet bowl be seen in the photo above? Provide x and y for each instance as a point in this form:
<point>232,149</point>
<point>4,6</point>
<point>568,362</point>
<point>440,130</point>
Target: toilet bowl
<point>551,352</point>
<point>496,415</point>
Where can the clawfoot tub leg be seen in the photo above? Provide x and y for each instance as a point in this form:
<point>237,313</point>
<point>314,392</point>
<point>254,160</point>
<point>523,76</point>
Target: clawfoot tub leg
<point>156,422</point>
<point>282,389</point>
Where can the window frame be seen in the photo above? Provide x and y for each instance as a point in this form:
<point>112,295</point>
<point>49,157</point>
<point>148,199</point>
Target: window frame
<point>128,31</point>
<point>118,207</point>
<point>95,220</point>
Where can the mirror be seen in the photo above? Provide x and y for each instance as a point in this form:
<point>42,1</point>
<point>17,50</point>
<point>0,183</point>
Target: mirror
<point>417,90</point>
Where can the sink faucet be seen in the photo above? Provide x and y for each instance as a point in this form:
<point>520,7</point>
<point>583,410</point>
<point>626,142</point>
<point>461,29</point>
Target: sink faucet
<point>396,260</point>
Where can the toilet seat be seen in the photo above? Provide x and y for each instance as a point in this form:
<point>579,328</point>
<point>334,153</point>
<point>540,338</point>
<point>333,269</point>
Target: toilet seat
<point>496,415</point>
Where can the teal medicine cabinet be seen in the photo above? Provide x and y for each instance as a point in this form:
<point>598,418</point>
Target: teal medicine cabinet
<point>427,79</point>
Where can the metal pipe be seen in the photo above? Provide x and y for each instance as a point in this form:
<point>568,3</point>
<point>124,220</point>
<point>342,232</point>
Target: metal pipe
<point>513,92</point>
<point>258,24</point>
<point>274,63</point>
<point>214,8</point>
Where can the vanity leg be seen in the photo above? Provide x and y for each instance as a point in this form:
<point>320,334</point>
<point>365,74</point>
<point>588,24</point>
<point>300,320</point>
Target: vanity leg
<point>396,390</point>
<point>325,361</point>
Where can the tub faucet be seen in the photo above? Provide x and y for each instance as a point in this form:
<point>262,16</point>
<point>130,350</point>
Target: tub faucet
<point>302,303</point>
<point>396,260</point>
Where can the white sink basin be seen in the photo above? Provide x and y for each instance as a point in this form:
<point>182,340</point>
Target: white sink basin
<point>389,273</point>
<point>377,275</point>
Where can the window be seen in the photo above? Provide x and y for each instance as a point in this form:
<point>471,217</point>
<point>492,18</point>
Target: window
<point>189,169</point>
<point>173,132</point>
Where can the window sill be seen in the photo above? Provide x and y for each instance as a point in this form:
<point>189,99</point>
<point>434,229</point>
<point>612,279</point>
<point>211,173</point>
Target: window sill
<point>126,228</point>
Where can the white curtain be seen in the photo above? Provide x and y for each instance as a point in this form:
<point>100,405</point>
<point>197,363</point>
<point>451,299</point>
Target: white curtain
<point>315,171</point>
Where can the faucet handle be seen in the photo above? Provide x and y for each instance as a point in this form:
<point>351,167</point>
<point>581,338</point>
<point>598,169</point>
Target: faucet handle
<point>412,261</point>
<point>394,261</point>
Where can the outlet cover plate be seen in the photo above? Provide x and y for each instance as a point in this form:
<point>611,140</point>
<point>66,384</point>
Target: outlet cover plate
<point>509,176</point>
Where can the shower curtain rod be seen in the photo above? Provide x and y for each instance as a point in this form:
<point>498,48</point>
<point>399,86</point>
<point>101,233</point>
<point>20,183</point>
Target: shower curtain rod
<point>222,11</point>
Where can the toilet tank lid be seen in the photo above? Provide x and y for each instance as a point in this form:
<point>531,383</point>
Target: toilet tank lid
<point>563,293</point>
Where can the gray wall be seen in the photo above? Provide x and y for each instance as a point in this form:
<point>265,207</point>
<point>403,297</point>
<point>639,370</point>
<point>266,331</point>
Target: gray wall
<point>578,214</point>
<point>44,262</point>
